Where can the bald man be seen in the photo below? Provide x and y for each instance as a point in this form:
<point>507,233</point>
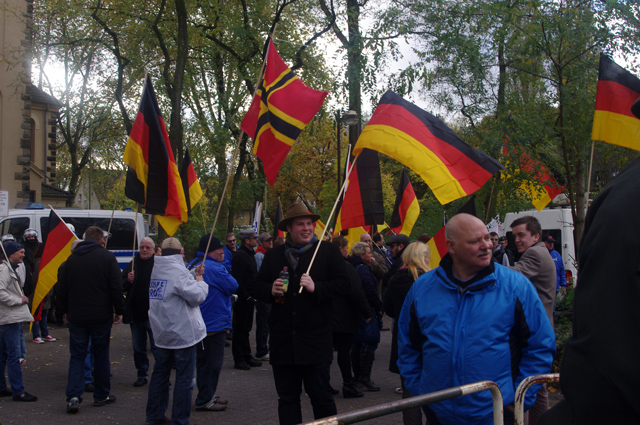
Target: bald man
<point>472,320</point>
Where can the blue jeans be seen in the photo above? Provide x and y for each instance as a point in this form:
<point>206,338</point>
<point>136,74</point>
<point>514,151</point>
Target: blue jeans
<point>10,357</point>
<point>79,335</point>
<point>23,347</point>
<point>139,332</point>
<point>208,366</point>
<point>40,326</point>
<point>88,365</point>
<point>158,399</point>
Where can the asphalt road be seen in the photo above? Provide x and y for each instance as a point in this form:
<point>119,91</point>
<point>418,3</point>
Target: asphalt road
<point>252,396</point>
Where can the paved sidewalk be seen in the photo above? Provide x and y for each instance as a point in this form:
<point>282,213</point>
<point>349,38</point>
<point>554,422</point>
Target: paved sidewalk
<point>252,396</point>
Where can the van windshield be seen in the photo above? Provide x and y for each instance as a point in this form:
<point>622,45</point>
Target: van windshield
<point>16,226</point>
<point>121,229</point>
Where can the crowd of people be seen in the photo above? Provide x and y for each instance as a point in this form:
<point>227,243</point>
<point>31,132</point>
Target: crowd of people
<point>478,316</point>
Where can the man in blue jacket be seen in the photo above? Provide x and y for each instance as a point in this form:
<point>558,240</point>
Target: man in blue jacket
<point>471,320</point>
<point>216,312</point>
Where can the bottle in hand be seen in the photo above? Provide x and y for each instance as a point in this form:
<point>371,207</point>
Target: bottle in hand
<point>284,275</point>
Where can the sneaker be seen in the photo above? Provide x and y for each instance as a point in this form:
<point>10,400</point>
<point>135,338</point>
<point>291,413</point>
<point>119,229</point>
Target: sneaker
<point>38,340</point>
<point>264,358</point>
<point>110,399</point>
<point>219,400</point>
<point>49,338</point>
<point>399,390</point>
<point>140,382</point>
<point>6,393</point>
<point>73,405</point>
<point>25,396</point>
<point>211,406</point>
<point>22,361</point>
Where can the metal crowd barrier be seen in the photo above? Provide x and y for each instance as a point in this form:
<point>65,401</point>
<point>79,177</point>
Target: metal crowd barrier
<point>522,390</point>
<point>398,406</point>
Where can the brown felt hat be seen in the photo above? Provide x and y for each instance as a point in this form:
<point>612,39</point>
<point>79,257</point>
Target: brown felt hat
<point>295,210</point>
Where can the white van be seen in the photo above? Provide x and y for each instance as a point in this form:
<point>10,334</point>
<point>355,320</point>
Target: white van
<point>120,242</point>
<point>557,222</point>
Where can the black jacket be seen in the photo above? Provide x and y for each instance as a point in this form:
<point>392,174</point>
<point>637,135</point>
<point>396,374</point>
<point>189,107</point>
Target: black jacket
<point>136,304</point>
<point>301,327</point>
<point>348,309</point>
<point>399,286</point>
<point>244,270</point>
<point>369,283</point>
<point>603,352</point>
<point>90,285</point>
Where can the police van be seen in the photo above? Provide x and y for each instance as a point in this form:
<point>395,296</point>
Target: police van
<point>120,241</point>
<point>557,222</point>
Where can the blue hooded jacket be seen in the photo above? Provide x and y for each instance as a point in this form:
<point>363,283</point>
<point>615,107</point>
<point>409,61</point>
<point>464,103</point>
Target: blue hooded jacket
<point>216,309</point>
<point>494,330</point>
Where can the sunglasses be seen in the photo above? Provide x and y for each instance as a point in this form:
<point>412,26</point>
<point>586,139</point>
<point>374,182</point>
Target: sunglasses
<point>231,241</point>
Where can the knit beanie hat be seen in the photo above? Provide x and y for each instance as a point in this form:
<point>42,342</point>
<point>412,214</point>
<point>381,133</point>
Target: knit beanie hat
<point>12,247</point>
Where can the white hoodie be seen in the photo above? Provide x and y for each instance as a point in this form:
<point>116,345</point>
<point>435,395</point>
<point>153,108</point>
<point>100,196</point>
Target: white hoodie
<point>174,297</point>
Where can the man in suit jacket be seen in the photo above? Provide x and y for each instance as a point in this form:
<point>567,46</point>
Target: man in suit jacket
<point>536,264</point>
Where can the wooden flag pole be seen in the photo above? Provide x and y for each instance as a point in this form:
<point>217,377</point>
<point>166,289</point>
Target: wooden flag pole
<point>235,154</point>
<point>342,189</point>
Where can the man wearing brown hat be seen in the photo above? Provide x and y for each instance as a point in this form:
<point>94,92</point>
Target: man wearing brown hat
<point>244,270</point>
<point>265,243</point>
<point>301,342</point>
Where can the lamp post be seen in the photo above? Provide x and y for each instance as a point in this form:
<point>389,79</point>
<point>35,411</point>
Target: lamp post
<point>351,119</point>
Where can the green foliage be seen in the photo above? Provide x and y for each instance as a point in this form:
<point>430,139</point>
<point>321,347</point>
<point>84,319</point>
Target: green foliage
<point>563,324</point>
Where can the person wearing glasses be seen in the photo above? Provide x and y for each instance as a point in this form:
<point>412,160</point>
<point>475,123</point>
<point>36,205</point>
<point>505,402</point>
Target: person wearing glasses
<point>230,248</point>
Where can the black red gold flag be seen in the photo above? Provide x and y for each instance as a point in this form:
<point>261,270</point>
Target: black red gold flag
<point>362,204</point>
<point>153,179</point>
<point>406,209</point>
<point>422,142</point>
<point>282,107</point>
<point>190,182</point>
<point>57,248</point>
<point>614,121</point>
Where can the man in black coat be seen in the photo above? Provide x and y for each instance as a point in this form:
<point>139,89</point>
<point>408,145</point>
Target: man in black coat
<point>136,312</point>
<point>599,374</point>
<point>301,343</point>
<point>90,290</point>
<point>244,270</point>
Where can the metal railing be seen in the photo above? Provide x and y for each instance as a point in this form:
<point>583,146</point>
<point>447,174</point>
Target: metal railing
<point>522,390</point>
<point>398,406</point>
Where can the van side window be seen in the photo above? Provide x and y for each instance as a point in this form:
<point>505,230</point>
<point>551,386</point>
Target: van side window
<point>16,226</point>
<point>121,229</point>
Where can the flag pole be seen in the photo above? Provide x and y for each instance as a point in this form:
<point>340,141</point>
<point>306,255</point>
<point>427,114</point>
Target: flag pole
<point>593,146</point>
<point>135,233</point>
<point>342,189</point>
<point>235,153</point>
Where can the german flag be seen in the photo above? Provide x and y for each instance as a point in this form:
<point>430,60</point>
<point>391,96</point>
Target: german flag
<point>190,183</point>
<point>57,248</point>
<point>406,209</point>
<point>280,110</point>
<point>438,243</point>
<point>546,189</point>
<point>613,121</point>
<point>422,142</point>
<point>362,203</point>
<point>153,178</point>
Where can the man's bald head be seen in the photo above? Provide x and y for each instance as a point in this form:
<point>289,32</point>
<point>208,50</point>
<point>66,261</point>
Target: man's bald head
<point>469,245</point>
<point>366,238</point>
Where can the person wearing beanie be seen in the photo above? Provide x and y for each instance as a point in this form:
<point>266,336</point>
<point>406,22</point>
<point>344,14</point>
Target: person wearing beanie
<point>135,281</point>
<point>13,311</point>
<point>177,325</point>
<point>216,313</point>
